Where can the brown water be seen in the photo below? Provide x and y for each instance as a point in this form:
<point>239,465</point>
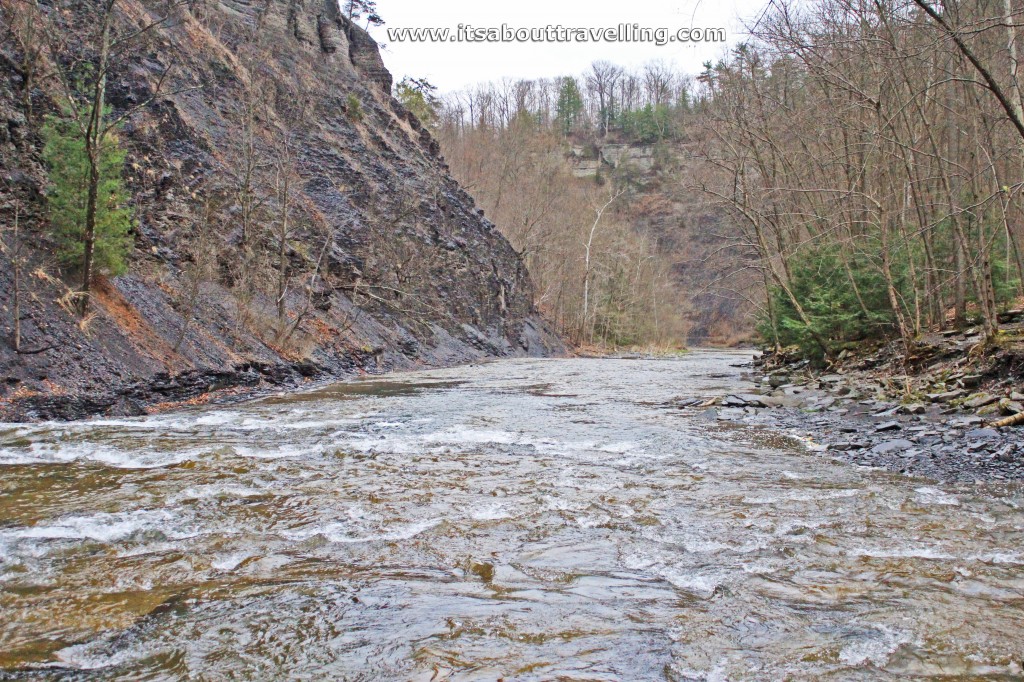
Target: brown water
<point>530,519</point>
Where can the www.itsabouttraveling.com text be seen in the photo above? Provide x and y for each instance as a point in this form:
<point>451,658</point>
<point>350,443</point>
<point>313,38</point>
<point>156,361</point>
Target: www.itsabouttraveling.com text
<point>622,33</point>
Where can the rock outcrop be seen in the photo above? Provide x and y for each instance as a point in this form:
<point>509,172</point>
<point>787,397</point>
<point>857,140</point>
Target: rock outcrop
<point>389,264</point>
<point>637,157</point>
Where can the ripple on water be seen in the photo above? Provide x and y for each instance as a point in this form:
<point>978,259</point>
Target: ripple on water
<point>101,527</point>
<point>875,646</point>
<point>348,533</point>
<point>928,495</point>
<point>456,523</point>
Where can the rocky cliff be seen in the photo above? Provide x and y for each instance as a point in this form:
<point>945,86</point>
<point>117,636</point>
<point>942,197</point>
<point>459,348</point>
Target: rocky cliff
<point>385,263</point>
<point>698,237</point>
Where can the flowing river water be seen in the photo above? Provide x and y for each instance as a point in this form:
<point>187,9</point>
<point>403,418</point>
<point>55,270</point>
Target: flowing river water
<point>523,519</point>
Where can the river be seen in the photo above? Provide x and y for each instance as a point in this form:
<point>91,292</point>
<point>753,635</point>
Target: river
<point>520,519</point>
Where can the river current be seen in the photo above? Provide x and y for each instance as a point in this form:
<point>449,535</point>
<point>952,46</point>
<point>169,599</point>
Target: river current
<point>517,520</point>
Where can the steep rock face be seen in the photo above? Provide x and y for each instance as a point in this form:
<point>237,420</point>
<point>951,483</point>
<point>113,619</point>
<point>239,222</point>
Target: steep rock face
<point>704,245</point>
<point>387,262</point>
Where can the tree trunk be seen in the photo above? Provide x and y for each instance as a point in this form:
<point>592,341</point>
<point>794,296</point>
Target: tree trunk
<point>282,245</point>
<point>1011,46</point>
<point>16,301</point>
<point>959,288</point>
<point>89,246</point>
<point>93,141</point>
<point>587,246</point>
<point>772,316</point>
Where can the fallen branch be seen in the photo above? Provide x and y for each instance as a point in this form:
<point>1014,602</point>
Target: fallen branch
<point>34,352</point>
<point>1015,420</point>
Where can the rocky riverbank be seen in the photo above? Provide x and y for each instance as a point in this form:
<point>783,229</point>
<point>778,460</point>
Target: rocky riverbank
<point>935,416</point>
<point>164,391</point>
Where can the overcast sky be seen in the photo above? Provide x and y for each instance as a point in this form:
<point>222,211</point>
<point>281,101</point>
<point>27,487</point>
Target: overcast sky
<point>453,66</point>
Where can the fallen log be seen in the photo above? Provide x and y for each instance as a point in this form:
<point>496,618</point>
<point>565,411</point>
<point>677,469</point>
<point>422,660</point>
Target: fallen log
<point>1015,420</point>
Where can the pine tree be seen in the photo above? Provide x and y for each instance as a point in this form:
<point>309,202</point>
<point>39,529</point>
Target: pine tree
<point>570,105</point>
<point>419,96</point>
<point>357,9</point>
<point>65,154</point>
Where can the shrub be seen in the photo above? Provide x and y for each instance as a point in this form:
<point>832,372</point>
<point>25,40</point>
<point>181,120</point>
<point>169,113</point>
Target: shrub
<point>354,107</point>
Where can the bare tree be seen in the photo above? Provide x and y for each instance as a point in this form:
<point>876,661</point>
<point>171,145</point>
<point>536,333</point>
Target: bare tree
<point>285,178</point>
<point>588,246</point>
<point>28,25</point>
<point>658,79</point>
<point>13,247</point>
<point>201,246</point>
<point>602,79</point>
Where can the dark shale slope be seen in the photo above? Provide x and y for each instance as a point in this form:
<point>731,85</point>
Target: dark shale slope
<point>390,265</point>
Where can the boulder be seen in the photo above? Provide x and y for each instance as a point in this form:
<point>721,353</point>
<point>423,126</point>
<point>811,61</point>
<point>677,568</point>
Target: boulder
<point>1010,407</point>
<point>780,401</point>
<point>989,410</point>
<point>946,396</point>
<point>892,446</point>
<point>980,400</point>
<point>743,400</point>
<point>1006,454</point>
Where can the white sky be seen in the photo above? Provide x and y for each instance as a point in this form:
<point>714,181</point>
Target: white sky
<point>453,66</point>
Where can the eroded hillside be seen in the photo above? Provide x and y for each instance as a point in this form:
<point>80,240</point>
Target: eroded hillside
<point>375,258</point>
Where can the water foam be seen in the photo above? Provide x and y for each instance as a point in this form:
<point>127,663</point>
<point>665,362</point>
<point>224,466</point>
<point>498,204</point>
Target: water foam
<point>935,496</point>
<point>342,532</point>
<point>102,527</point>
<point>876,650</point>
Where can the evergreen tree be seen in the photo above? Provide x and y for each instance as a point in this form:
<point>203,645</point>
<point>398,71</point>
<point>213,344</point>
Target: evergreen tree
<point>65,154</point>
<point>843,303</point>
<point>570,105</point>
<point>357,9</point>
<point>649,124</point>
<point>418,96</point>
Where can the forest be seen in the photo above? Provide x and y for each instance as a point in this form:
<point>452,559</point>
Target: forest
<point>862,160</point>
